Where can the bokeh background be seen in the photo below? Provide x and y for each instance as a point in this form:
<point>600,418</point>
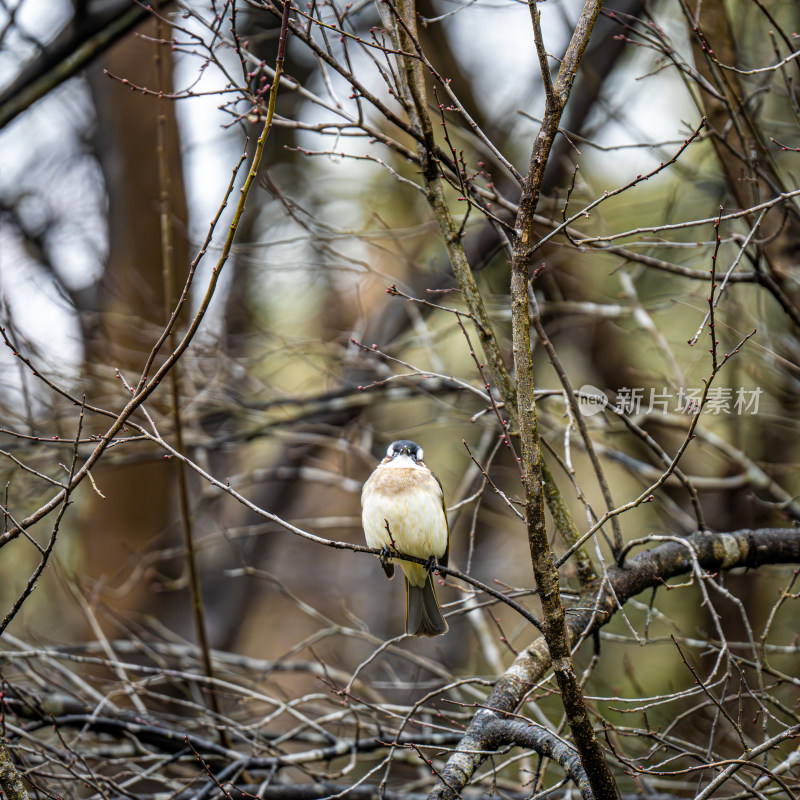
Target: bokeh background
<point>277,397</point>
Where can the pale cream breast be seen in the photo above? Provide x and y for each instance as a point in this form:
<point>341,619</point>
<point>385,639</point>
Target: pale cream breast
<point>410,499</point>
<point>390,481</point>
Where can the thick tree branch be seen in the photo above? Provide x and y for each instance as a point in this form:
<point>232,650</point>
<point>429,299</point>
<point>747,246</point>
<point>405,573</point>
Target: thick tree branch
<point>544,569</point>
<point>404,30</point>
<point>11,785</point>
<point>597,606</point>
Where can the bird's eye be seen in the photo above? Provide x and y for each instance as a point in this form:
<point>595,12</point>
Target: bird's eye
<point>419,454</point>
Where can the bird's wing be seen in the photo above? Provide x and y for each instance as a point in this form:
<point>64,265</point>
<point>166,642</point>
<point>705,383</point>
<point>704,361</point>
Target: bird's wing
<point>443,560</point>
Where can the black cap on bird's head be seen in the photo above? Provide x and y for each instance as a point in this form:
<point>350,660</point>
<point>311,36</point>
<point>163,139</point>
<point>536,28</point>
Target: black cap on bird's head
<point>404,447</point>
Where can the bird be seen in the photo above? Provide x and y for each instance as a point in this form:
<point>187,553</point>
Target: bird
<point>402,510</point>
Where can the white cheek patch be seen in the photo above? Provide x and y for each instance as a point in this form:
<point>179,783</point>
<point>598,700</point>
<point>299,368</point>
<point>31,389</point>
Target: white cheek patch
<point>389,451</point>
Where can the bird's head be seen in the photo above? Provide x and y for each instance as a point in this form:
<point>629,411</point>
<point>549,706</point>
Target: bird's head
<point>403,453</point>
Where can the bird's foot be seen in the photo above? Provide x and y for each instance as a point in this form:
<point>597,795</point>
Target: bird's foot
<point>431,564</point>
<point>385,557</point>
<point>386,553</point>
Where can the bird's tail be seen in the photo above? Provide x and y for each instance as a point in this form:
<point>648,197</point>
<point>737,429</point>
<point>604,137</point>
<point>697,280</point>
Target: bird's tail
<point>423,615</point>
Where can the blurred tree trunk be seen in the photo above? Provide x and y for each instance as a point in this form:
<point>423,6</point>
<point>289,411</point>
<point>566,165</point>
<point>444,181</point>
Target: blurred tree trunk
<point>130,304</point>
<point>740,137</point>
